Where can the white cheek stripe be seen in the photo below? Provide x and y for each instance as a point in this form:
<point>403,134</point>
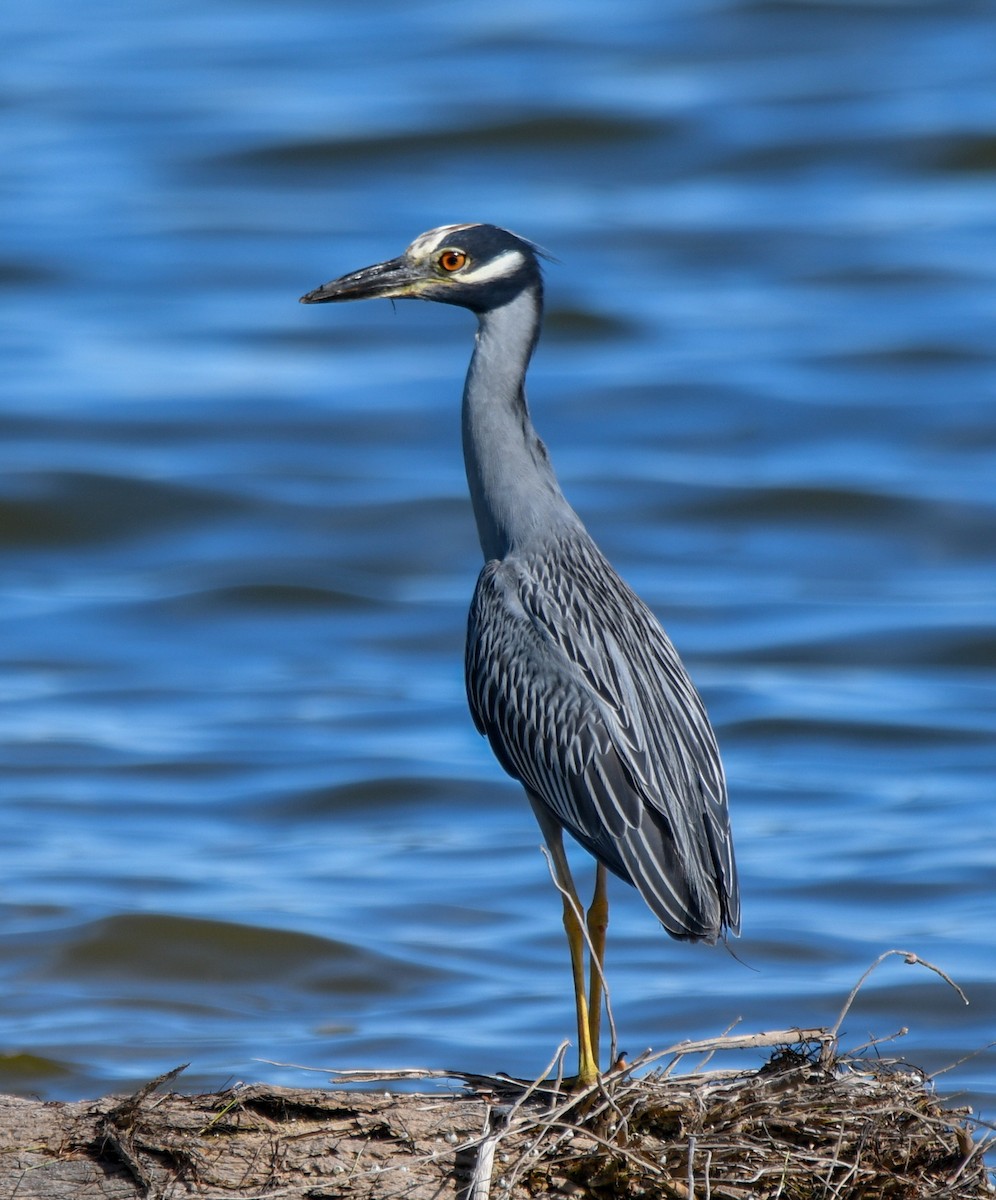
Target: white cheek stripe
<point>498,268</point>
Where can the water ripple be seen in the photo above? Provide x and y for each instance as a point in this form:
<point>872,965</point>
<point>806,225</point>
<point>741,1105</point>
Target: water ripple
<point>246,813</point>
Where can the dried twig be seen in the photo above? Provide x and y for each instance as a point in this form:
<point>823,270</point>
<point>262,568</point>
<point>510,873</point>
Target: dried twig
<point>909,957</point>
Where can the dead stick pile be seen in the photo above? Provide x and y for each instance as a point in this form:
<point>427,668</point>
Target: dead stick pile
<point>806,1124</point>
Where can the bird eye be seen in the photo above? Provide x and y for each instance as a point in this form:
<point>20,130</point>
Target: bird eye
<point>452,260</point>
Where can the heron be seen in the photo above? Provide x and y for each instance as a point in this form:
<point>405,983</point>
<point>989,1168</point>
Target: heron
<point>569,675</point>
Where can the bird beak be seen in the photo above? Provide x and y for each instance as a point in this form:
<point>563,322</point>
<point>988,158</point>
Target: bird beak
<point>397,278</point>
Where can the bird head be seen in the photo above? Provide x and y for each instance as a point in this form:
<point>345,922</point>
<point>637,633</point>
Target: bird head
<point>480,267</point>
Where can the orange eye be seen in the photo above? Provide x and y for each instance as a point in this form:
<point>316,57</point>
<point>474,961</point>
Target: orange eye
<point>452,260</point>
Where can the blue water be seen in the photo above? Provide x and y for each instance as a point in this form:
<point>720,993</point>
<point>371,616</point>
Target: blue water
<point>246,819</point>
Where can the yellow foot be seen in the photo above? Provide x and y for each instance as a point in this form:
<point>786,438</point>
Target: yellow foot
<point>585,1079</point>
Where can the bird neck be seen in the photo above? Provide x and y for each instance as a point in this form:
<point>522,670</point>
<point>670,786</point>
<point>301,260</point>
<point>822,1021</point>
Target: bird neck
<point>517,500</point>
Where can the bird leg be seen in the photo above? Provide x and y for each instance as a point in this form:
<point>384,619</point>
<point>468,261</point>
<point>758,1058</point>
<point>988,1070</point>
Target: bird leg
<point>574,927</point>
<point>598,923</point>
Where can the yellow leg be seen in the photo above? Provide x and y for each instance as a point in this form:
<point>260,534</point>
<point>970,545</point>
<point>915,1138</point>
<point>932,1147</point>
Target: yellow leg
<point>587,1048</point>
<point>598,924</point>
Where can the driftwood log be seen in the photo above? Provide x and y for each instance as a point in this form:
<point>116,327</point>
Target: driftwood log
<point>807,1124</point>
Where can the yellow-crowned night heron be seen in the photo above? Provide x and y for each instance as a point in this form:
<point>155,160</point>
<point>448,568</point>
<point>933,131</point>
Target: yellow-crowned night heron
<point>579,691</point>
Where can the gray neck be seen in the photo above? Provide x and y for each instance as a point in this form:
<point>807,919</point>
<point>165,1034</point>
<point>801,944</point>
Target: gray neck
<point>517,500</point>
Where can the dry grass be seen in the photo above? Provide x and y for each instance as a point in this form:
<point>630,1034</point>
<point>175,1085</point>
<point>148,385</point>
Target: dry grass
<point>799,1128</point>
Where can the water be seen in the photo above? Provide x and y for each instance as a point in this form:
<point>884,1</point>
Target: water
<point>246,818</point>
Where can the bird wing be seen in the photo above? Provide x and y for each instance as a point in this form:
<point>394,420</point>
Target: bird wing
<point>585,701</point>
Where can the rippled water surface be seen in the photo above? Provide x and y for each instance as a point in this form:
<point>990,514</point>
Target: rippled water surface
<point>245,815</point>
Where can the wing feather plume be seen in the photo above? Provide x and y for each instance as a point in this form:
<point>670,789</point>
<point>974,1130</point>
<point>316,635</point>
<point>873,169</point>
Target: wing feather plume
<point>585,701</point>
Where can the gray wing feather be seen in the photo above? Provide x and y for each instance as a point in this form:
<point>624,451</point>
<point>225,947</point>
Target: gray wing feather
<point>585,701</point>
